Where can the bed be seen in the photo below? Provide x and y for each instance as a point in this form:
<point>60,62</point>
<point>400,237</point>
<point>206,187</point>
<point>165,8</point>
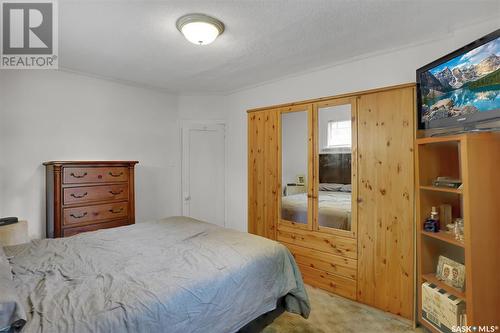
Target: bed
<point>171,275</point>
<point>334,209</point>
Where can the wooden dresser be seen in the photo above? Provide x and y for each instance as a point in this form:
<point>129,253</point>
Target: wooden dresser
<point>86,196</point>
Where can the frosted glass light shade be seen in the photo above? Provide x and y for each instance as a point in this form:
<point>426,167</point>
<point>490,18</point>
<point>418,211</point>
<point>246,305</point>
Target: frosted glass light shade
<point>200,29</point>
<point>200,33</point>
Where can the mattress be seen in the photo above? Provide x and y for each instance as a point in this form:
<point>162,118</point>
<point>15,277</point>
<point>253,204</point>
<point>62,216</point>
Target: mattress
<point>172,275</point>
<point>334,209</point>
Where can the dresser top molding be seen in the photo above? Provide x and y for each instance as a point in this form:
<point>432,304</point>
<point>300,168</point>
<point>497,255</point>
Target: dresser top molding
<point>357,93</point>
<point>94,163</point>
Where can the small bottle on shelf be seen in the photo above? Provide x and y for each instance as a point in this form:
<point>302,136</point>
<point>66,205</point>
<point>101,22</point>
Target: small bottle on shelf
<point>432,223</point>
<point>459,229</point>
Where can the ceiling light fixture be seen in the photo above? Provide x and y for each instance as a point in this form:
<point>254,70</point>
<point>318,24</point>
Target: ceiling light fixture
<point>200,29</point>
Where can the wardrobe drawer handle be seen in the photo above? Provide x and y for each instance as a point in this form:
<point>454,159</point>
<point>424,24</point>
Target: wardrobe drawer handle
<point>78,216</point>
<point>76,196</point>
<point>115,175</point>
<point>112,211</point>
<point>78,176</point>
<point>115,193</point>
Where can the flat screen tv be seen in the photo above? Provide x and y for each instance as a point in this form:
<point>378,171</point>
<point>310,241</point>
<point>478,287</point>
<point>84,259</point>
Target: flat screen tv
<point>462,88</point>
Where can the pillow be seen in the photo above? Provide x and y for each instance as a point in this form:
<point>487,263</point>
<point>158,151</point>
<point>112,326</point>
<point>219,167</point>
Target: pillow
<point>332,187</point>
<point>12,315</point>
<point>346,188</point>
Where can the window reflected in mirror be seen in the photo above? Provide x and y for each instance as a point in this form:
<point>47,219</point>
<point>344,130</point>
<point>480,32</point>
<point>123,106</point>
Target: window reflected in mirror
<point>334,167</point>
<point>294,141</point>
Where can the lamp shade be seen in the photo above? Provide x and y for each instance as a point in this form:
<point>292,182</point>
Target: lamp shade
<point>200,29</point>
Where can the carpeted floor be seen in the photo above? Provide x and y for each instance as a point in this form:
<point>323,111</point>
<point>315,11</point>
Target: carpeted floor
<point>332,314</point>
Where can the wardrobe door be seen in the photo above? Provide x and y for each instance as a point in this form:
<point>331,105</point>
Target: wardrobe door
<point>263,138</point>
<point>296,167</point>
<point>386,200</point>
<point>335,190</point>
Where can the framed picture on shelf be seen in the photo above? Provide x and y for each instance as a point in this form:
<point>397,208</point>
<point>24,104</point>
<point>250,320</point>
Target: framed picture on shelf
<point>451,272</point>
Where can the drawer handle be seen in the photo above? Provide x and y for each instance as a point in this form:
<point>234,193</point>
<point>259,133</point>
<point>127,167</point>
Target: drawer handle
<point>112,211</point>
<point>115,175</point>
<point>78,216</point>
<point>78,176</point>
<point>115,193</point>
<point>76,196</point>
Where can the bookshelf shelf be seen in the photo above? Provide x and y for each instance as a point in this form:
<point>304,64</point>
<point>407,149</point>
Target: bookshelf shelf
<point>441,189</point>
<point>431,277</point>
<point>429,326</point>
<point>443,236</point>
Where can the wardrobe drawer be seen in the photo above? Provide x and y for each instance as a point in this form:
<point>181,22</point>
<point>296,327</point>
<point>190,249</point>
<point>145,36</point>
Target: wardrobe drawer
<point>74,175</point>
<point>93,227</point>
<point>75,195</point>
<point>336,284</point>
<point>327,262</point>
<point>79,215</point>
<point>338,245</point>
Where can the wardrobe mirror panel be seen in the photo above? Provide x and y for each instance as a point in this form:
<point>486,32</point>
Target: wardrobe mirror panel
<point>294,158</point>
<point>334,195</point>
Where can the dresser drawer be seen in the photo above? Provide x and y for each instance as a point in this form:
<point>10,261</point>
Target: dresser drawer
<point>79,215</point>
<point>73,175</point>
<point>75,195</point>
<point>336,284</point>
<point>331,263</point>
<point>333,244</point>
<point>93,227</point>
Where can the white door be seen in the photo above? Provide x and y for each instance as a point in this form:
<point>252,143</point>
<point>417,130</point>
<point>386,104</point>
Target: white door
<point>203,162</point>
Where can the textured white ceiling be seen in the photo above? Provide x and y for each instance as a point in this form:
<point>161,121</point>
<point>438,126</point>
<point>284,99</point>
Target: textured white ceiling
<point>137,41</point>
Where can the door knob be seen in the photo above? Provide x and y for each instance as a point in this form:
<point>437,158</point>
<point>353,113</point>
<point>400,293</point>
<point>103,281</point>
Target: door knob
<point>187,198</point>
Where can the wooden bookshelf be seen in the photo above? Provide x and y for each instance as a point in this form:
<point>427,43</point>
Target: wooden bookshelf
<point>475,159</point>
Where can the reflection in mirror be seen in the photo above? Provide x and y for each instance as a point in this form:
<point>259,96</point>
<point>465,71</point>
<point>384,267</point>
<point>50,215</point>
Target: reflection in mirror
<point>294,166</point>
<point>335,147</point>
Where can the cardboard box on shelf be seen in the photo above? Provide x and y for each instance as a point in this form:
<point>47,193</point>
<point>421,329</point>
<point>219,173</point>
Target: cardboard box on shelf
<point>441,309</point>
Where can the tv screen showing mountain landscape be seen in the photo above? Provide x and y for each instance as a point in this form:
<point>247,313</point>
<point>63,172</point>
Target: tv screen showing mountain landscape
<point>466,84</point>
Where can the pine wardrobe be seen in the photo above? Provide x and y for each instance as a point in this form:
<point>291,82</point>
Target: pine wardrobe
<point>333,179</point>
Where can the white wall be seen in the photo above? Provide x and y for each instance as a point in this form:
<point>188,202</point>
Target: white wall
<point>204,107</point>
<point>367,72</point>
<point>47,115</point>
